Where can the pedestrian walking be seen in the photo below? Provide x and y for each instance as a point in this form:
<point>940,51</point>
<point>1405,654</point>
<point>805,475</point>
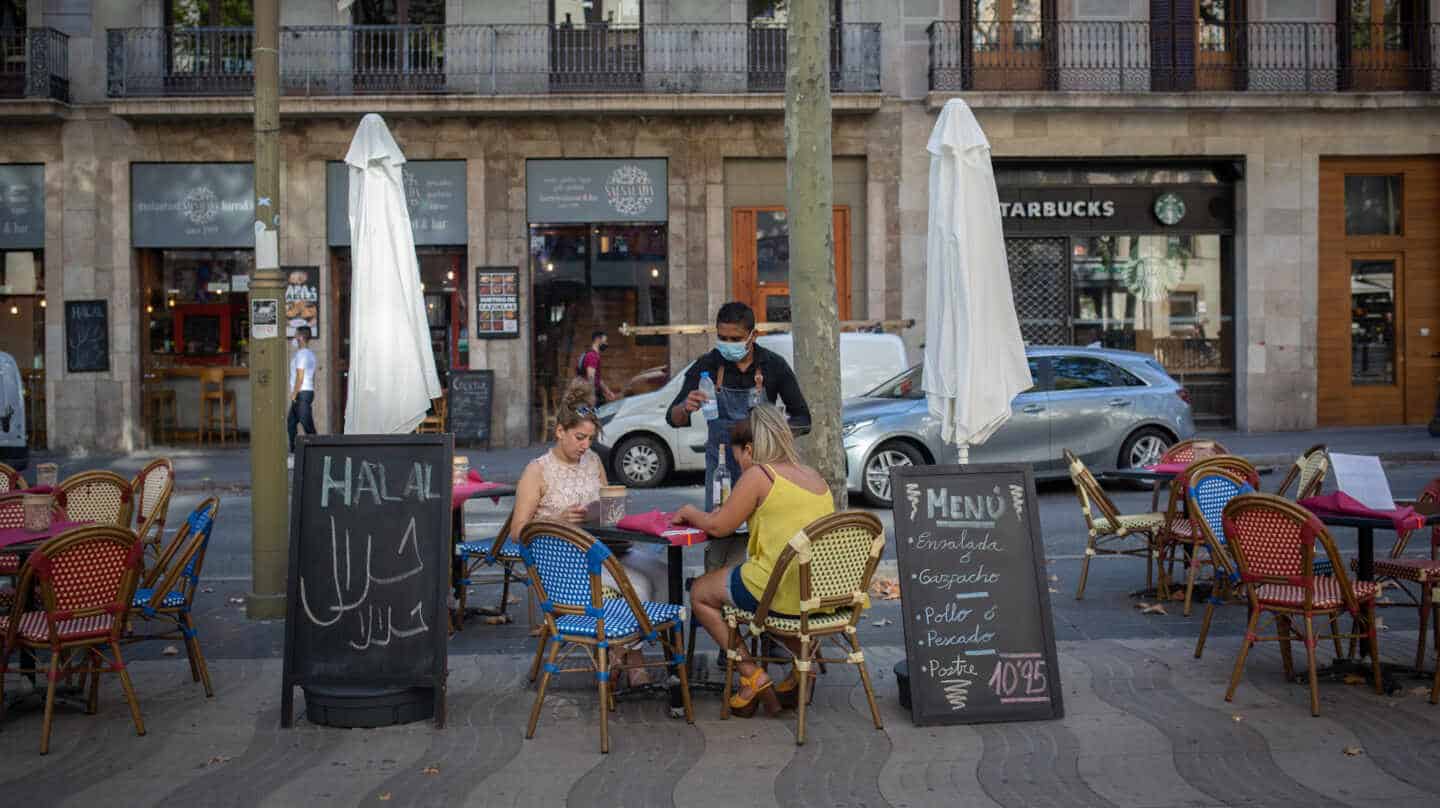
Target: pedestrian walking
<point>588,367</point>
<point>302,386</point>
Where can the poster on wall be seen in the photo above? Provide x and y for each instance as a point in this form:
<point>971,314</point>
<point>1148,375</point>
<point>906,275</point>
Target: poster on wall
<point>497,303</point>
<point>302,299</point>
<point>22,207</point>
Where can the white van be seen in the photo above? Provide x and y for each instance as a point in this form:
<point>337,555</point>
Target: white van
<point>646,449</point>
<point>14,450</point>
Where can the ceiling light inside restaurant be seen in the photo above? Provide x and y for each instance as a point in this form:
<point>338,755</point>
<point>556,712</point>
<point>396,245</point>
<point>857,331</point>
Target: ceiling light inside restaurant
<point>549,267</point>
<point>654,272</point>
<point>14,309</point>
<point>450,276</point>
<point>42,302</point>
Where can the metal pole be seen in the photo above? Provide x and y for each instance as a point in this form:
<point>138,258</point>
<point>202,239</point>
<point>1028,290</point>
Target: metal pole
<point>269,508</point>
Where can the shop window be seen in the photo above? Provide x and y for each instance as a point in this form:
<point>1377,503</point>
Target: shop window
<point>1372,322</point>
<point>12,13</point>
<point>1373,205</point>
<point>195,306</point>
<point>589,12</point>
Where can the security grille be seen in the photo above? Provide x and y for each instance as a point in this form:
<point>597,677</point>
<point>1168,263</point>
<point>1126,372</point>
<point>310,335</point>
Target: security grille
<point>1040,282</point>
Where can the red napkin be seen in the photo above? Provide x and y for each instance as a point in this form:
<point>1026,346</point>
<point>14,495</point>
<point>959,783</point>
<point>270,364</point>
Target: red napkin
<point>474,485</point>
<point>1340,503</point>
<point>475,477</point>
<point>39,489</point>
<point>658,523</point>
<point>1168,468</point>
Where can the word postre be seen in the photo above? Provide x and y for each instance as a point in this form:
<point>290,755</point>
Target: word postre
<point>369,553</point>
<point>978,631</point>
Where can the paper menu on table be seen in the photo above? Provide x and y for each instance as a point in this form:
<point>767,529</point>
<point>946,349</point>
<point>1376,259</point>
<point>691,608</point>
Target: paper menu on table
<point>1362,477</point>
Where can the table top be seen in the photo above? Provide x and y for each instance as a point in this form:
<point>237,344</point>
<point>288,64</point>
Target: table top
<point>1154,476</point>
<point>19,538</point>
<point>1430,515</point>
<point>461,492</point>
<point>612,533</point>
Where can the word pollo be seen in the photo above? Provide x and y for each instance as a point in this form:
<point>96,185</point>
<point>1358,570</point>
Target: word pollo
<point>353,485</point>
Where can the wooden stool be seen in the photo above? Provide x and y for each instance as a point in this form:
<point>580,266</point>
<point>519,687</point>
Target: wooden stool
<point>164,417</point>
<point>217,406</point>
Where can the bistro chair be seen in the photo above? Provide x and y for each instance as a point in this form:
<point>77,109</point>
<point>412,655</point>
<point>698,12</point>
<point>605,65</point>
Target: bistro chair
<point>102,497</point>
<point>85,579</point>
<point>1110,532</point>
<point>1274,543</point>
<point>1424,573</point>
<point>167,592</point>
<point>1307,474</point>
<point>151,489</point>
<point>10,480</point>
<point>1211,486</point>
<point>435,422</point>
<point>163,414</point>
<point>836,557</point>
<point>501,551</point>
<point>217,406</point>
<point>565,566</point>
<point>1180,530</point>
<point>1186,452</point>
<point>12,517</point>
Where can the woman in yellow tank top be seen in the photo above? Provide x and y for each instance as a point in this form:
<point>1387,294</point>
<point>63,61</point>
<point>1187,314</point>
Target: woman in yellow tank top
<point>778,495</point>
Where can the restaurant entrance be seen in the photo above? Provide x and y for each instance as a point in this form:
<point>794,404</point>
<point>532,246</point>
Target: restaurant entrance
<point>761,259</point>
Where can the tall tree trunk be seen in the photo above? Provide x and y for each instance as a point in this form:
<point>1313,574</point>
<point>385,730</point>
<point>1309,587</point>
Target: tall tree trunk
<point>809,189</point>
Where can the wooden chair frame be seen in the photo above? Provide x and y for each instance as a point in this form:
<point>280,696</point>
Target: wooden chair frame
<point>473,563</point>
<point>1312,532</point>
<point>66,491</point>
<point>1179,530</point>
<point>1184,452</point>
<point>10,480</point>
<point>1427,576</point>
<point>1307,473</point>
<point>1227,578</point>
<point>83,656</point>
<point>800,551</point>
<point>217,403</point>
<point>1111,528</point>
<point>179,572</point>
<point>595,650</point>
<point>151,511</point>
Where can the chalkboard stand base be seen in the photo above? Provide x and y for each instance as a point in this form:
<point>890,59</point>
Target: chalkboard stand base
<point>902,681</point>
<point>352,707</point>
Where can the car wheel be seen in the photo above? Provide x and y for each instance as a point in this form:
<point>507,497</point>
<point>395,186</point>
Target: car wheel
<point>895,454</point>
<point>1144,448</point>
<point>641,461</point>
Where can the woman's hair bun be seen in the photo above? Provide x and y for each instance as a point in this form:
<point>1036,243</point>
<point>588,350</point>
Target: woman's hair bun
<point>579,393</point>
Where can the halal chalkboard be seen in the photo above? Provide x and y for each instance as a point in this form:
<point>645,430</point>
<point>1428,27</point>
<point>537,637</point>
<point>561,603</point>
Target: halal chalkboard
<point>87,336</point>
<point>469,405</point>
<point>369,564</point>
<point>979,638</point>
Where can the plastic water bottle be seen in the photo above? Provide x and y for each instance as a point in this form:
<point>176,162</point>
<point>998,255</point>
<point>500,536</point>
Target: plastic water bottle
<point>756,397</point>
<point>711,408</point>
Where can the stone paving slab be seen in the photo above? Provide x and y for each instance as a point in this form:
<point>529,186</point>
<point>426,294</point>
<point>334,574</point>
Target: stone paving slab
<point>1146,726</point>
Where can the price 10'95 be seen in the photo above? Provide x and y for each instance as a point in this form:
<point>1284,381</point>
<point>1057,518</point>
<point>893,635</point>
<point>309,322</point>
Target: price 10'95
<point>1020,678</point>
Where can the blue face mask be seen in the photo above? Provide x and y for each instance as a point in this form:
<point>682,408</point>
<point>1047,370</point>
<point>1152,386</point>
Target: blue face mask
<point>732,351</point>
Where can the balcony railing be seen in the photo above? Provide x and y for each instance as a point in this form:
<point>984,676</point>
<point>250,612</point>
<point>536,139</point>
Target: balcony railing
<point>1149,56</point>
<point>34,63</point>
<point>481,59</point>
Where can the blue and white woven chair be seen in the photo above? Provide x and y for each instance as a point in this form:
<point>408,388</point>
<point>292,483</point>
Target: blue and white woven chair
<point>565,565</point>
<point>167,593</point>
<point>499,551</point>
<point>1211,486</point>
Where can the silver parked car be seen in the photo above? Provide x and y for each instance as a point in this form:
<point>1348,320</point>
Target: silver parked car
<point>1115,409</point>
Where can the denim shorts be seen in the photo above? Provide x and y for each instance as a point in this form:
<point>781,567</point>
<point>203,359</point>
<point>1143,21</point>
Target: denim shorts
<point>741,598</point>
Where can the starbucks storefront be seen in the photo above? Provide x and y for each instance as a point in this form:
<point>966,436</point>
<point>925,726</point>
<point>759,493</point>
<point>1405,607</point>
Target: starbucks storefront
<point>1136,257</point>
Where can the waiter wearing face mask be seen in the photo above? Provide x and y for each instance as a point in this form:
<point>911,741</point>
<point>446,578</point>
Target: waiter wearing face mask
<point>744,375</point>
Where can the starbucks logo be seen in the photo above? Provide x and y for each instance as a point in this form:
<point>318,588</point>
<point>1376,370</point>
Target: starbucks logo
<point>630,190</point>
<point>200,206</point>
<point>1169,209</point>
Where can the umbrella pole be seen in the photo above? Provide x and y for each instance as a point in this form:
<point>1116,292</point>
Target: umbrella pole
<point>962,454</point>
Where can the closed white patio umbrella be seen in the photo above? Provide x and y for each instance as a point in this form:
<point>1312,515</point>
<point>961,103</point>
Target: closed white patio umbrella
<point>975,361</point>
<point>392,369</point>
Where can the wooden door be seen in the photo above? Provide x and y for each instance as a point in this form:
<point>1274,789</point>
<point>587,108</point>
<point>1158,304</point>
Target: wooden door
<point>1007,44</point>
<point>760,258</point>
<point>1379,38</point>
<point>1379,291</point>
<point>1219,44</point>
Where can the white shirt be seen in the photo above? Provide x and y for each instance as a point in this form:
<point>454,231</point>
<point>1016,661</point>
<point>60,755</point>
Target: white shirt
<point>304,359</point>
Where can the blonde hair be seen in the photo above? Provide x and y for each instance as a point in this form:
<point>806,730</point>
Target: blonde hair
<point>767,433</point>
<point>577,405</point>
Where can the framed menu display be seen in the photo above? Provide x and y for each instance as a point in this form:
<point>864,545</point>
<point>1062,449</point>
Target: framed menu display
<point>497,303</point>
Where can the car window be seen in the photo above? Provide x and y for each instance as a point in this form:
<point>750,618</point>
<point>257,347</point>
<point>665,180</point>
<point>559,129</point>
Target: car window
<point>906,385</point>
<point>1088,373</point>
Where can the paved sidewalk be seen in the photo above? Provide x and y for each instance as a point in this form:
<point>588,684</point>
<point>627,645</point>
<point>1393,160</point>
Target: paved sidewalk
<point>1145,725</point>
<point>212,469</point>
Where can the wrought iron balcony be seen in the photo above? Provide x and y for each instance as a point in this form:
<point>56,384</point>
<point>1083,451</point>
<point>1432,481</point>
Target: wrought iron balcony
<point>1146,56</point>
<point>481,59</point>
<point>34,63</point>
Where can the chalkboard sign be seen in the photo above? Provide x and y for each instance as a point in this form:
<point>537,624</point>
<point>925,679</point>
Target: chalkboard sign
<point>469,404</point>
<point>87,336</point>
<point>979,638</point>
<point>369,564</point>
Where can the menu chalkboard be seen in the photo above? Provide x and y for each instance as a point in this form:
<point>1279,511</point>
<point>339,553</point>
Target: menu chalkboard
<point>87,336</point>
<point>979,638</point>
<point>369,564</point>
<point>469,404</point>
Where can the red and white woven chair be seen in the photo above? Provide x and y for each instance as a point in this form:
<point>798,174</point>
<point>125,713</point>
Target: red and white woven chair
<point>1274,543</point>
<point>10,480</point>
<point>102,497</point>
<point>85,580</point>
<point>151,490</point>
<point>1423,573</point>
<point>12,516</point>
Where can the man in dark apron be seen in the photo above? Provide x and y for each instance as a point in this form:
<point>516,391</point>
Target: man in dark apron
<point>744,374</point>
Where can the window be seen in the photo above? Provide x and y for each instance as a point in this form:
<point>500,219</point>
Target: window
<point>1373,204</point>
<point>582,12</point>
<point>12,13</point>
<point>1387,18</point>
<point>224,13</point>
<point>1372,322</point>
<point>1213,18</point>
<point>777,12</point>
<point>1006,25</point>
<point>399,12</point>
<point>1088,373</point>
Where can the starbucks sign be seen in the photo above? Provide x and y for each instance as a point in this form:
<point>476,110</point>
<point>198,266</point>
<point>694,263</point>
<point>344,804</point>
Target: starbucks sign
<point>570,191</point>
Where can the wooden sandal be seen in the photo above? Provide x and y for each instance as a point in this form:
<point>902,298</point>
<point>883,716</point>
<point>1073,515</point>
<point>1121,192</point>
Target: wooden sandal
<point>788,691</point>
<point>759,691</point>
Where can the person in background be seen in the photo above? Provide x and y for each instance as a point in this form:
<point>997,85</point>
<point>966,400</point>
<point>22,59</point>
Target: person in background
<point>588,367</point>
<point>560,485</point>
<point>302,386</point>
<point>738,367</point>
<point>778,495</point>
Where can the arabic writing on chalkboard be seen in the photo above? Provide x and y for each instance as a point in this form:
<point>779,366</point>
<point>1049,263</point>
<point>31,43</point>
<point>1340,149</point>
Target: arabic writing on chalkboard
<point>977,627</point>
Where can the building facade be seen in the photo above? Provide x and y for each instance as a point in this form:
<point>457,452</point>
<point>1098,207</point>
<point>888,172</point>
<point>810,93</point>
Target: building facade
<point>1245,191</point>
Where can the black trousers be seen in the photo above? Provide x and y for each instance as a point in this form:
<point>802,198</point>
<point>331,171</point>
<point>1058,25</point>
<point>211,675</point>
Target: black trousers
<point>300,413</point>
